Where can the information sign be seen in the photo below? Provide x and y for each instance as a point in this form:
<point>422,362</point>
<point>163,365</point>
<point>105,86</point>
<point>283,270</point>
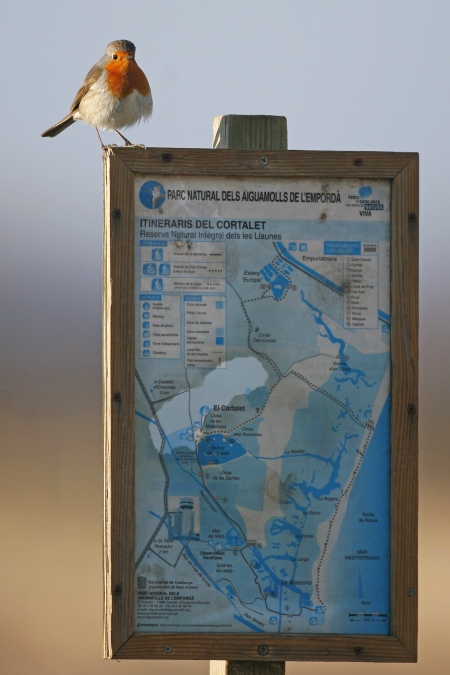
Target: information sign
<point>259,312</point>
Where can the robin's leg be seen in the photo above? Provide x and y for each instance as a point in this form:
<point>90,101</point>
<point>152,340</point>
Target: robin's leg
<point>127,142</point>
<point>99,137</point>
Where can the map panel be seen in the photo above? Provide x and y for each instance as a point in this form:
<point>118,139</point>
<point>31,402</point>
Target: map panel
<point>262,405</point>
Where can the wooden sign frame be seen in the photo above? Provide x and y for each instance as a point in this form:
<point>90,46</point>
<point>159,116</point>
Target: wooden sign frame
<point>121,165</point>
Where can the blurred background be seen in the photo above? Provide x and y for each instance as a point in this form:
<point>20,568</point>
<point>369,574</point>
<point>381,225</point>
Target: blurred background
<point>348,75</point>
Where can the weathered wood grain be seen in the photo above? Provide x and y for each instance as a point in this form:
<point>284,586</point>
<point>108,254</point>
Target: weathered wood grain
<point>404,411</point>
<point>118,397</point>
<point>289,163</point>
<point>247,668</point>
<point>245,132</point>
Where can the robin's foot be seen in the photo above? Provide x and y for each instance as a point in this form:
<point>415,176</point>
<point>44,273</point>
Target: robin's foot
<point>127,142</point>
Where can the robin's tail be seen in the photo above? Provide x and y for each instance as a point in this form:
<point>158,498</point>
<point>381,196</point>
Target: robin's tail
<point>59,126</point>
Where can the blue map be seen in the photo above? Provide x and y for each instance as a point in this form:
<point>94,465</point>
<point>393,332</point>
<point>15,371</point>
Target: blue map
<point>263,409</point>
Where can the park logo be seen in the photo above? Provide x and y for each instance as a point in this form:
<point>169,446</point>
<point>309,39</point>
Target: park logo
<point>365,191</point>
<point>152,194</point>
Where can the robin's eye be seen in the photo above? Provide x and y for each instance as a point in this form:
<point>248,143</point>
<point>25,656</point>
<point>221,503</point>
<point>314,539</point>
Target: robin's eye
<point>115,57</point>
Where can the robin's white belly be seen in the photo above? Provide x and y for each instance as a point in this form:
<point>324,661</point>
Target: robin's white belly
<point>103,110</point>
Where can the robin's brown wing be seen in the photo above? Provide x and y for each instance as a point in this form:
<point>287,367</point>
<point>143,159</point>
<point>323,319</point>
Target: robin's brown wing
<point>59,126</point>
<point>91,78</point>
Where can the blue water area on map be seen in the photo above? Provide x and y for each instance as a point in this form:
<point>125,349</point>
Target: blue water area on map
<point>351,370</point>
<point>364,585</point>
<point>278,286</point>
<point>318,314</point>
<point>277,281</point>
<point>320,476</point>
<point>218,449</point>
<point>240,618</point>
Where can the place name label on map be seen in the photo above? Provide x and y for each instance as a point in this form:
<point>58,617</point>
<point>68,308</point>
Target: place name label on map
<point>164,387</point>
<point>362,554</point>
<point>361,292</point>
<point>368,517</point>
<point>252,277</point>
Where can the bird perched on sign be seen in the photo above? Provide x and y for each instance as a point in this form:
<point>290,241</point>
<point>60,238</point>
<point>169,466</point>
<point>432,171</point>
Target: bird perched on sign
<point>115,94</point>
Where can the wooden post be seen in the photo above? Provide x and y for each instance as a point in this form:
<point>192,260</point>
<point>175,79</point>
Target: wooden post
<point>249,132</point>
<point>247,668</point>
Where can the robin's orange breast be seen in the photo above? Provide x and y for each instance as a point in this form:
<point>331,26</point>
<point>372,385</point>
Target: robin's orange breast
<point>124,76</point>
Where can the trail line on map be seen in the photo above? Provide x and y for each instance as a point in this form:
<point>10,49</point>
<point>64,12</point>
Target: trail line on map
<point>166,474</point>
<point>250,326</point>
<point>343,496</point>
<point>331,397</point>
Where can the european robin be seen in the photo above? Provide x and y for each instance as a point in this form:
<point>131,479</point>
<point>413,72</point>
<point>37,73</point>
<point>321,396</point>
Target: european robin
<point>115,94</point>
